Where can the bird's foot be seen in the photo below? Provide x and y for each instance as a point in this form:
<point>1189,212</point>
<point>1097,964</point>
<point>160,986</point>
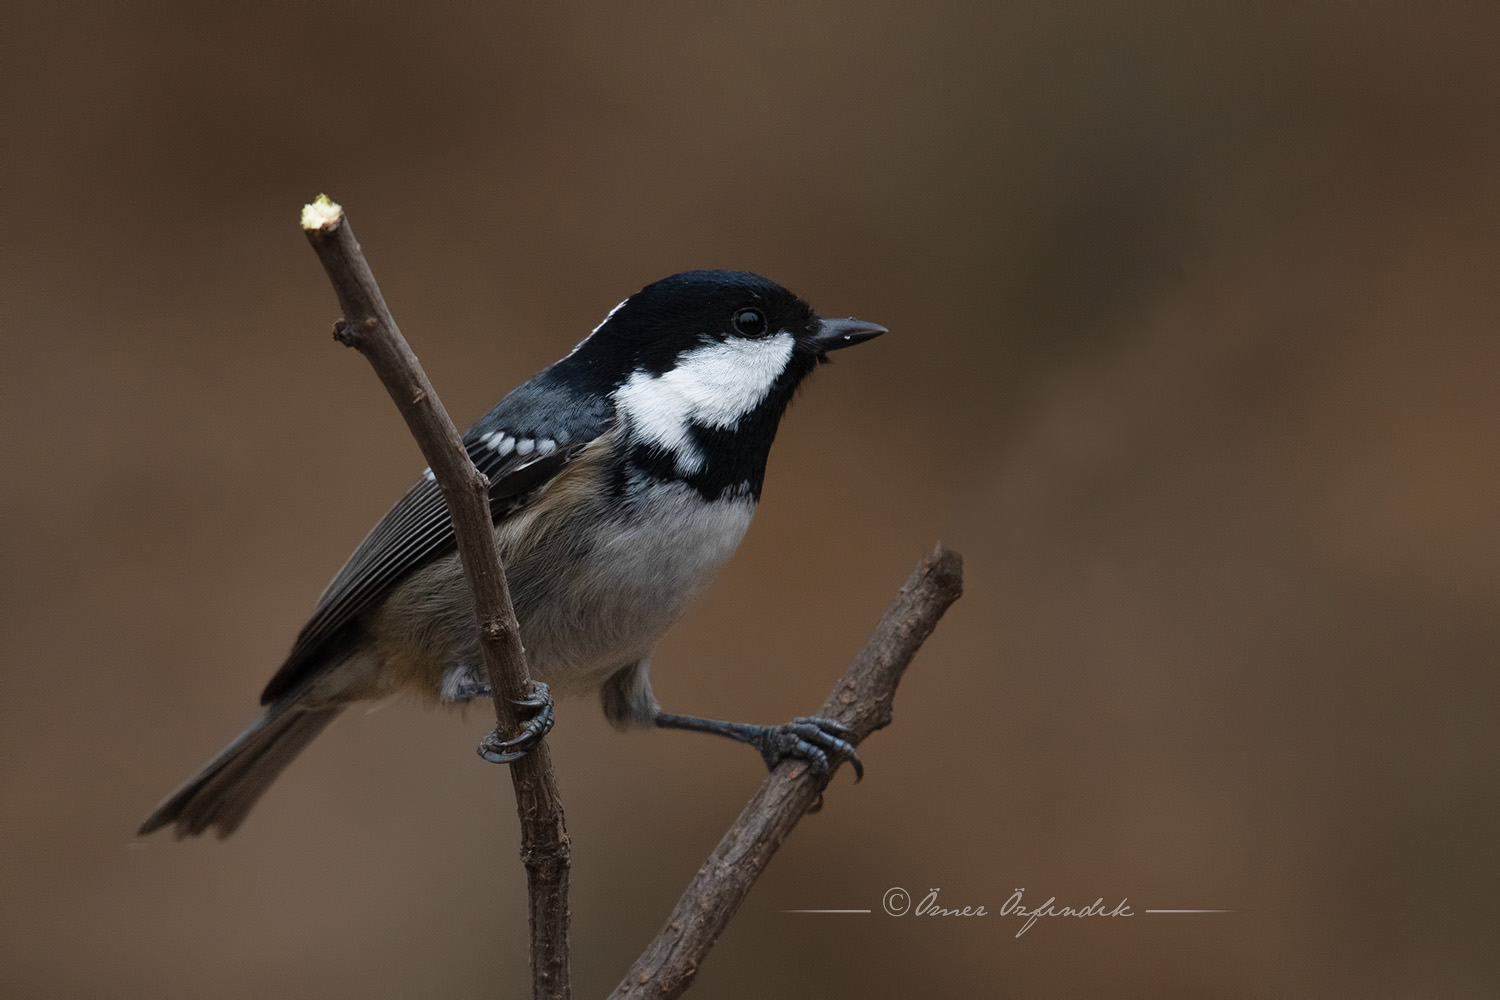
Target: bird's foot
<point>537,723</point>
<point>822,742</point>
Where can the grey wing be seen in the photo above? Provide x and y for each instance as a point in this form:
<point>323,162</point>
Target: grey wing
<point>417,529</point>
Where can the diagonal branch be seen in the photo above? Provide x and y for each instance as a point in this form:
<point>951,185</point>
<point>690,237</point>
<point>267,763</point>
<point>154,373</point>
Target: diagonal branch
<point>860,700</point>
<point>368,327</point>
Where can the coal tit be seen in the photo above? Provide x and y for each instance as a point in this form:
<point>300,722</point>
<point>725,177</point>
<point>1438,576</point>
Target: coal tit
<point>622,478</point>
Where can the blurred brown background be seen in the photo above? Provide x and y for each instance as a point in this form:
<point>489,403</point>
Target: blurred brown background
<point>1194,358</point>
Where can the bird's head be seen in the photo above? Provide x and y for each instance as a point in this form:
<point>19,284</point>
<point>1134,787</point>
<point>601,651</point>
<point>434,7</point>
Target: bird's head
<point>703,364</point>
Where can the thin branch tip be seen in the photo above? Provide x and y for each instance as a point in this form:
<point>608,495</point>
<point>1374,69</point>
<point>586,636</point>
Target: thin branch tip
<point>321,213</point>
<point>948,565</point>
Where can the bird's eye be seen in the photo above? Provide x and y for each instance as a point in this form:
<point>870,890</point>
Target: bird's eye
<point>750,323</point>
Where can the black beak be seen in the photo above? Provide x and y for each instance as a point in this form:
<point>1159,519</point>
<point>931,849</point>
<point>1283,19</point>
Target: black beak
<point>836,333</point>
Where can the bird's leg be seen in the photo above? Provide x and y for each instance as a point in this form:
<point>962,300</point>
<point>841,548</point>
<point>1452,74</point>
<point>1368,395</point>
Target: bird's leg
<point>810,737</point>
<point>466,692</point>
<point>537,723</point>
<point>463,682</point>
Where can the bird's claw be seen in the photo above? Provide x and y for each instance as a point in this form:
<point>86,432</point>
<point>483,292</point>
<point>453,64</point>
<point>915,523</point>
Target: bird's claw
<point>813,739</point>
<point>538,723</point>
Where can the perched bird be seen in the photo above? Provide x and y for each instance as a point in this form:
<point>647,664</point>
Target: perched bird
<point>622,478</point>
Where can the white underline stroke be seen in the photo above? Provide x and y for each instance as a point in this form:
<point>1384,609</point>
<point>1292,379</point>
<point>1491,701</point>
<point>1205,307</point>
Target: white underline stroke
<point>825,911</point>
<point>1192,911</point>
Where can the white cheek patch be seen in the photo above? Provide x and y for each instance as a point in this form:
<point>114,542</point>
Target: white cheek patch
<point>713,385</point>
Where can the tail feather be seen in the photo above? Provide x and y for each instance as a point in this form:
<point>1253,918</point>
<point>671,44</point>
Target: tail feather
<point>222,793</point>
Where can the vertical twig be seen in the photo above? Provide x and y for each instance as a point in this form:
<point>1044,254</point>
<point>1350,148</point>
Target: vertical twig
<point>368,327</point>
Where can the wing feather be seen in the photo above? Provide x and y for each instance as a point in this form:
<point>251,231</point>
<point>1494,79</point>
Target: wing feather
<point>417,529</point>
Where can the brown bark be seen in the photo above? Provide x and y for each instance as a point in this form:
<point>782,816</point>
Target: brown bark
<point>862,701</point>
<point>368,327</point>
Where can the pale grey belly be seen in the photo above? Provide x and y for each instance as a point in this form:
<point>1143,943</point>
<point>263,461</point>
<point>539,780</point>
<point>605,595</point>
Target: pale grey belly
<point>593,591</point>
<point>600,601</point>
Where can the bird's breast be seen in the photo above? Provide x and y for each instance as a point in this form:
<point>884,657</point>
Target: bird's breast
<point>596,586</point>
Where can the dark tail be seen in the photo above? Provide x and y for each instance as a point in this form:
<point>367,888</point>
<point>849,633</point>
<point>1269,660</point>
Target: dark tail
<point>222,793</point>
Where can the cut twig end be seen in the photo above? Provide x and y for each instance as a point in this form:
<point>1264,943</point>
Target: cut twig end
<point>323,213</point>
<point>947,565</point>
